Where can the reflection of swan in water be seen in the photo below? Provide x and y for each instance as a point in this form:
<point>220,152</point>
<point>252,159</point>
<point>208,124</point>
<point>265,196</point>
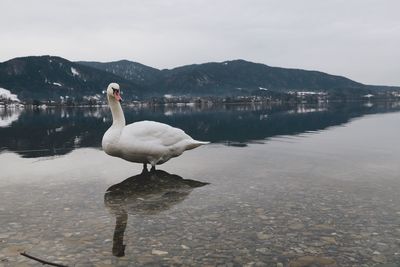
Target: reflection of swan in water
<point>147,193</point>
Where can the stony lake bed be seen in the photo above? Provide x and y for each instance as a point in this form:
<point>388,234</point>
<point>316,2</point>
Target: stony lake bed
<point>294,186</point>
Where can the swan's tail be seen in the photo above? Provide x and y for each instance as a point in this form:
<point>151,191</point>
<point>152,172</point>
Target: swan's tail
<point>194,143</point>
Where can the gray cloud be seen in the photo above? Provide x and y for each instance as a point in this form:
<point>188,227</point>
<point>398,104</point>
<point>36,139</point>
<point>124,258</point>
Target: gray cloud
<point>355,38</point>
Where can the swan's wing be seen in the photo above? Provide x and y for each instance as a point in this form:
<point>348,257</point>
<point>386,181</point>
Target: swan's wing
<point>154,132</point>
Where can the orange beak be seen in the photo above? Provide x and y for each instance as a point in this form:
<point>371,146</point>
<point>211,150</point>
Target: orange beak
<point>117,96</point>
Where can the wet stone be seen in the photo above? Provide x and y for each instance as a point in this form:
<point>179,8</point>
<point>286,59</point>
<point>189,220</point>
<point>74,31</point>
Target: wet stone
<point>379,258</point>
<point>296,226</point>
<point>263,250</point>
<point>159,252</point>
<point>329,240</point>
<point>4,236</point>
<point>322,227</point>
<point>263,236</point>
<point>312,260</point>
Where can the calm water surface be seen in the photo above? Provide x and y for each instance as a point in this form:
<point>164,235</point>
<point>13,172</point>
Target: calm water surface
<point>278,186</point>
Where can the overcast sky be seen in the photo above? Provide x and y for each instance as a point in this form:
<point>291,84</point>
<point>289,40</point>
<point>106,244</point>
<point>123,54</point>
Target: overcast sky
<point>359,39</point>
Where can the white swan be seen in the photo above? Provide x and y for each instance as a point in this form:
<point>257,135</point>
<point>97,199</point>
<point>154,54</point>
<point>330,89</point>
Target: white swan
<point>144,141</point>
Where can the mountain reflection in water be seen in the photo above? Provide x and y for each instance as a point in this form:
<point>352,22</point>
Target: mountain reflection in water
<point>148,193</point>
<point>58,131</point>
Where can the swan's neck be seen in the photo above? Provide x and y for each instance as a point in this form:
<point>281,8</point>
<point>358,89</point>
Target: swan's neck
<point>117,113</point>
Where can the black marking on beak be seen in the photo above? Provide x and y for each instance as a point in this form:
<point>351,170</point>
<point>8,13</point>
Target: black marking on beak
<point>116,91</point>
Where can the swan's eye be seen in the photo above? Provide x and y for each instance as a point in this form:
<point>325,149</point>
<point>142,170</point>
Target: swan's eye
<point>116,94</point>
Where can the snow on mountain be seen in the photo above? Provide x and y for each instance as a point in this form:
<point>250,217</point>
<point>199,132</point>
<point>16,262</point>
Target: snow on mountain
<point>7,95</point>
<point>74,72</point>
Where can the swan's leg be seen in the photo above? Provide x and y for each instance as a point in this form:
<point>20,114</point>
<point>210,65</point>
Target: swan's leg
<point>153,164</point>
<point>145,167</point>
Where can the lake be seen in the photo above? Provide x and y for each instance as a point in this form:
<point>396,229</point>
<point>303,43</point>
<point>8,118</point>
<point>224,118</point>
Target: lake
<point>279,185</point>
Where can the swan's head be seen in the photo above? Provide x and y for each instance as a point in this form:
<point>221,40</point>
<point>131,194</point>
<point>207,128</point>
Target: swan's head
<point>113,91</point>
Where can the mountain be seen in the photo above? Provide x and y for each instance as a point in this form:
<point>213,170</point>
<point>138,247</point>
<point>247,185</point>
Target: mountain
<point>129,70</point>
<point>48,77</point>
<point>239,75</point>
<point>234,77</point>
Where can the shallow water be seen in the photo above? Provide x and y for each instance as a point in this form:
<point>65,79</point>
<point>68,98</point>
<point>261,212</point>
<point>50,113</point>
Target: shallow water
<point>294,185</point>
